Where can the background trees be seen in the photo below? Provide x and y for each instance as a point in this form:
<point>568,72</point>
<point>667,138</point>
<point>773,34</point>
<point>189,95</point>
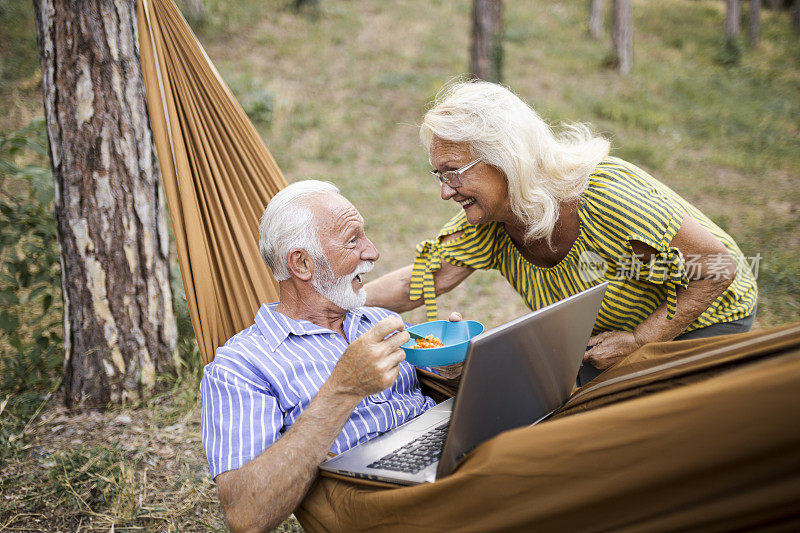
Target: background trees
<point>755,22</point>
<point>486,57</point>
<point>733,15</point>
<point>596,17</point>
<point>622,34</point>
<point>119,329</point>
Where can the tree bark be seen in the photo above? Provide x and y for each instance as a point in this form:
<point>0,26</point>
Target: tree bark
<point>119,328</point>
<point>622,34</point>
<point>486,60</point>
<point>732,17</point>
<point>755,22</point>
<point>596,17</point>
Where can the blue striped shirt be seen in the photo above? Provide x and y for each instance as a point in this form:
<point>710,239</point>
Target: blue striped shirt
<point>264,377</point>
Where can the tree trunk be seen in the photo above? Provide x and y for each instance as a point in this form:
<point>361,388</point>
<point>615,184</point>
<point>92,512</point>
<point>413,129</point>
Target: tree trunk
<point>732,17</point>
<point>119,328</point>
<point>775,5</point>
<point>487,40</point>
<point>596,18</point>
<point>622,34</point>
<point>796,16</point>
<point>755,21</point>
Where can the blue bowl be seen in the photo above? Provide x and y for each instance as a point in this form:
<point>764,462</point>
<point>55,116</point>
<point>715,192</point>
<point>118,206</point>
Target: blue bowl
<point>454,335</point>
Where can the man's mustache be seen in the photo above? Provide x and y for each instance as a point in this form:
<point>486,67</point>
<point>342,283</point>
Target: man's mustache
<point>363,267</point>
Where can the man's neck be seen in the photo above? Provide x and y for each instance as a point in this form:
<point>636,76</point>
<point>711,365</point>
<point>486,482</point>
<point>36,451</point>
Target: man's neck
<point>298,303</point>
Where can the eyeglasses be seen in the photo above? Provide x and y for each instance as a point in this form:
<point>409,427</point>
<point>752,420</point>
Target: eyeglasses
<point>453,177</point>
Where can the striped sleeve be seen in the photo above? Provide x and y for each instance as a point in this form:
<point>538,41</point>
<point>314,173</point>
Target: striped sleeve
<point>239,419</point>
<point>625,206</point>
<point>473,247</point>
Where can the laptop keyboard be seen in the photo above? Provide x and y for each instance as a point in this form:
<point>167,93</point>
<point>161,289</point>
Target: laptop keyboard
<point>417,454</point>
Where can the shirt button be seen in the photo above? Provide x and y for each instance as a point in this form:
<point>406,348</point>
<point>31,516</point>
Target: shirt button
<point>399,412</point>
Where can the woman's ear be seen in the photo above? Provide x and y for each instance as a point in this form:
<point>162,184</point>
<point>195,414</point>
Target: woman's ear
<point>300,264</point>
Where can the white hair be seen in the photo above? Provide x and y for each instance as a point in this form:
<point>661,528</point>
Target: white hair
<point>288,224</point>
<point>542,168</point>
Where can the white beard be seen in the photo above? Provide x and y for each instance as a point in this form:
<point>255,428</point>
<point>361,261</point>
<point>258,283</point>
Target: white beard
<point>340,290</point>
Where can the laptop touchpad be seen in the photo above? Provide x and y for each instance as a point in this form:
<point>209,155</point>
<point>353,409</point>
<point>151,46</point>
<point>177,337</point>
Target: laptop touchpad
<point>427,421</point>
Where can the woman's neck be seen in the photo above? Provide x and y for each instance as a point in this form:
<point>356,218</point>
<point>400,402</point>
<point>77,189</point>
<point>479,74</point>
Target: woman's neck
<point>565,232</point>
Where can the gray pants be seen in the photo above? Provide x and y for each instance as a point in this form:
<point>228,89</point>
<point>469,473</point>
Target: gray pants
<point>587,372</point>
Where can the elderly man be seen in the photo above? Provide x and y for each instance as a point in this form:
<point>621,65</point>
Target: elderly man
<point>316,372</point>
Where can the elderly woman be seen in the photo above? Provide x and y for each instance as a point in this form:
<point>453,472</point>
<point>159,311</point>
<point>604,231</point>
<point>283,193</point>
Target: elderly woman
<point>555,214</point>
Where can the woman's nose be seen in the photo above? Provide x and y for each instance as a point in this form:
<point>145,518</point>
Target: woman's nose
<point>447,191</point>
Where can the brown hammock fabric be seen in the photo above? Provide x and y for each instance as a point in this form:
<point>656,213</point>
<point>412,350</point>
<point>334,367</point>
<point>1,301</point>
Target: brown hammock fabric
<point>218,177</point>
<point>699,435</point>
<point>703,435</point>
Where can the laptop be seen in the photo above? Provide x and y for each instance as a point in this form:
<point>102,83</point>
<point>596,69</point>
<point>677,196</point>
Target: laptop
<point>514,375</point>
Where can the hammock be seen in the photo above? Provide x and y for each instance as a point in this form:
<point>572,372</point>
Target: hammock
<point>218,177</point>
<point>699,434</point>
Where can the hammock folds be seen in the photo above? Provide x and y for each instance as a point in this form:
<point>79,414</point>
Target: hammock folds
<point>218,177</point>
<point>697,434</point>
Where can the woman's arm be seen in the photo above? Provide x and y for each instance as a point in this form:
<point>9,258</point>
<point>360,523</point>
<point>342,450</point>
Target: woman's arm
<point>713,271</point>
<point>391,291</point>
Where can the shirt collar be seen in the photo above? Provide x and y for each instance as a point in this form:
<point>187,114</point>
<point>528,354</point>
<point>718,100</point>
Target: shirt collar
<point>276,327</point>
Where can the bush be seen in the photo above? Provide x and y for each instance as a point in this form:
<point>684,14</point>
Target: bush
<point>730,54</point>
<point>30,272</point>
<point>31,353</point>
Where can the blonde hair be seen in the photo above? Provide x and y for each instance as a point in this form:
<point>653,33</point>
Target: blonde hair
<point>541,167</point>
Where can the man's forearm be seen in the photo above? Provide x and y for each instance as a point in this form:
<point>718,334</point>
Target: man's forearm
<point>691,303</point>
<point>263,492</point>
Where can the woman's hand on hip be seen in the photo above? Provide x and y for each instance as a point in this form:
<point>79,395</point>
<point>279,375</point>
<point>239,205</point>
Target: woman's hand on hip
<point>609,347</point>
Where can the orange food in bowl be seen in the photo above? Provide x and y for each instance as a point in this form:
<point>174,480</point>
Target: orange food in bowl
<point>428,342</point>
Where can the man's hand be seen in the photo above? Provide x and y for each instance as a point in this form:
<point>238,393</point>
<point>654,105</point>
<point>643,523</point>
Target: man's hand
<point>609,347</point>
<point>370,363</point>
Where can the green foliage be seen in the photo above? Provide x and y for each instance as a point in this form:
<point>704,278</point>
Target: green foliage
<point>30,284</point>
<point>18,49</point>
<point>30,279</point>
<point>730,54</point>
<point>299,5</point>
<point>257,102</point>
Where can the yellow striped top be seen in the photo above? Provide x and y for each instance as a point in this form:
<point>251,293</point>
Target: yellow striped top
<point>621,203</point>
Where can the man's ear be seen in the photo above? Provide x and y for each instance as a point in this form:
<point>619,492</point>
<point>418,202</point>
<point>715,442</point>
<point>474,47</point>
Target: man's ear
<point>300,264</point>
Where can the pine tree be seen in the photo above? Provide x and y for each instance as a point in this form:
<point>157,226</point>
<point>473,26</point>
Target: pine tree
<point>119,329</point>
